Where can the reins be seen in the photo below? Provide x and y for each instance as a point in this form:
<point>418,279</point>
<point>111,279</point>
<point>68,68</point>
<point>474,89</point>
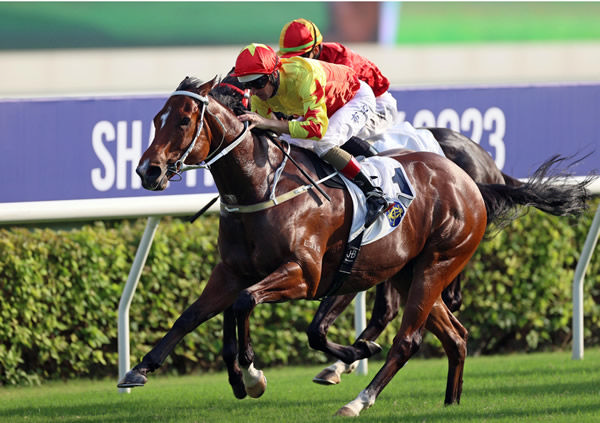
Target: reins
<point>179,166</point>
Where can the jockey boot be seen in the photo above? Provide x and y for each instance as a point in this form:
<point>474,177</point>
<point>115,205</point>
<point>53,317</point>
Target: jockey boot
<point>376,201</point>
<point>359,147</point>
<point>348,166</point>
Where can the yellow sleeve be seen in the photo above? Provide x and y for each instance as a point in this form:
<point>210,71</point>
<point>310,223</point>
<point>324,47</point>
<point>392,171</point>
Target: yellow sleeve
<point>312,93</point>
<point>260,107</point>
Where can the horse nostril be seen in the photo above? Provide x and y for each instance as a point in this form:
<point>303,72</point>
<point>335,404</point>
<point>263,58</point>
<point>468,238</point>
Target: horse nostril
<point>153,173</point>
<point>149,174</point>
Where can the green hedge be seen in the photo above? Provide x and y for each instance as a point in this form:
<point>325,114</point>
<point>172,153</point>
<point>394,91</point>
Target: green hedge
<point>61,289</point>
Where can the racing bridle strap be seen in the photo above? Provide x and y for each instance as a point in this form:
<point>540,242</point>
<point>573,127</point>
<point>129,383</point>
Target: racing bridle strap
<point>179,166</point>
<point>244,93</point>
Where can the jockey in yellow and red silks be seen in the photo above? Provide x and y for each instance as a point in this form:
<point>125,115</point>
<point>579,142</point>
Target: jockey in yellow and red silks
<point>329,102</point>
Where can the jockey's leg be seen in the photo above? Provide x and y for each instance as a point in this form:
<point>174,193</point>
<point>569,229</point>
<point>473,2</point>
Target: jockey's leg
<point>386,115</point>
<point>359,147</point>
<point>348,166</point>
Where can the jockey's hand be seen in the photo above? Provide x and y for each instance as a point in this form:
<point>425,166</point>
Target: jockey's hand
<point>257,121</point>
<point>254,120</point>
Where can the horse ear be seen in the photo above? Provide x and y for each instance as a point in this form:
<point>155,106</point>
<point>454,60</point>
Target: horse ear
<point>207,86</point>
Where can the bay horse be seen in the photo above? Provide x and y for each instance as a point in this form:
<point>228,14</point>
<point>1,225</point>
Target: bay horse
<point>470,157</point>
<point>292,250</point>
<point>463,151</point>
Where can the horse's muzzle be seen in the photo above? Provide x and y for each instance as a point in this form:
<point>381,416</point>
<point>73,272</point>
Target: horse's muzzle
<point>153,177</point>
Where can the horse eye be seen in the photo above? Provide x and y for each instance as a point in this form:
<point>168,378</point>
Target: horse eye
<point>185,121</point>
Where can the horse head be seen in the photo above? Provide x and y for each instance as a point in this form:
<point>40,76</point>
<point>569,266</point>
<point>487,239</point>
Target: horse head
<point>180,134</point>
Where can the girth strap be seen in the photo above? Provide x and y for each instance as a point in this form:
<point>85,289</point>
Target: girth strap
<point>350,254</point>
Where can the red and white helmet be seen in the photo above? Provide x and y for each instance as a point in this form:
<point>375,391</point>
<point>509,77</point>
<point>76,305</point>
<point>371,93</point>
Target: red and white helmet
<point>254,61</point>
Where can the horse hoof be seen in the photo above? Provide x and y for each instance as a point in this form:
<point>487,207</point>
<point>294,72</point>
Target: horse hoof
<point>346,411</point>
<point>132,379</point>
<point>256,390</point>
<point>327,377</point>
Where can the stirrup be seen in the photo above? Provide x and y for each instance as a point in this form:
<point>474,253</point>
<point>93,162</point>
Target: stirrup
<point>372,212</point>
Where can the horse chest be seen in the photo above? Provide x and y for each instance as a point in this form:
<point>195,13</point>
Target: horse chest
<point>252,248</point>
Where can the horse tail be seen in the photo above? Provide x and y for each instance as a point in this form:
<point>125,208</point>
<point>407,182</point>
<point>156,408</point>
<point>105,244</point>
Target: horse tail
<point>547,190</point>
<point>509,180</point>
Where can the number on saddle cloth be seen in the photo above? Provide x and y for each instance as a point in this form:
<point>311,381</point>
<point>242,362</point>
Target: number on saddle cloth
<point>403,194</point>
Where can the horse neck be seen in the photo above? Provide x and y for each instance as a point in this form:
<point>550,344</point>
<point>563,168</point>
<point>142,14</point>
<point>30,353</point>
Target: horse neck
<point>243,175</point>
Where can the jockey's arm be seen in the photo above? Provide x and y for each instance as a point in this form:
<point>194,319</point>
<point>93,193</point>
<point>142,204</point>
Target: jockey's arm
<point>257,121</point>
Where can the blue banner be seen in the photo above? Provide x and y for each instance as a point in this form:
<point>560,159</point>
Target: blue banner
<point>519,126</point>
<point>88,148</point>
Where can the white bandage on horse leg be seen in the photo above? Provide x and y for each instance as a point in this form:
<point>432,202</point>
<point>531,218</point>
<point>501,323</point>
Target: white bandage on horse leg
<point>361,402</point>
<point>251,376</point>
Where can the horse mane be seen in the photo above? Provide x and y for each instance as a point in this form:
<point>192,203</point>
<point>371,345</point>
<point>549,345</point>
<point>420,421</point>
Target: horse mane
<point>228,92</point>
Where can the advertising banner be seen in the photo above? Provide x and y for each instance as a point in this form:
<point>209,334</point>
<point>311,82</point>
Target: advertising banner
<point>88,148</point>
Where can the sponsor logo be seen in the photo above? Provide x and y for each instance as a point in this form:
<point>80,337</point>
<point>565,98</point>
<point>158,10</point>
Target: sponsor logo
<point>395,214</point>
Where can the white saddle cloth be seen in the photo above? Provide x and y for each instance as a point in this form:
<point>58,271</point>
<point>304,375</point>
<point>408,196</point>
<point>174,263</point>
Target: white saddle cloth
<point>391,178</point>
<point>404,135</point>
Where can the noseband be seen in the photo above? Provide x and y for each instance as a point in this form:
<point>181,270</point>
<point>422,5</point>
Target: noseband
<point>179,166</point>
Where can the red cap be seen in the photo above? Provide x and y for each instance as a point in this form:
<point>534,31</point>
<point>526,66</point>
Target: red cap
<point>254,61</point>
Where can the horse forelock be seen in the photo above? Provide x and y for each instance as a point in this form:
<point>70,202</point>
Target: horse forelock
<point>190,83</point>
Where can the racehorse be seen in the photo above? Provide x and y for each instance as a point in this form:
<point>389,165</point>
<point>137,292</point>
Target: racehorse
<point>291,251</point>
<point>463,151</point>
<point>467,154</point>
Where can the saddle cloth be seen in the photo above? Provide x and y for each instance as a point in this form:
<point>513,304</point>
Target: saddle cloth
<point>404,135</point>
<point>391,178</point>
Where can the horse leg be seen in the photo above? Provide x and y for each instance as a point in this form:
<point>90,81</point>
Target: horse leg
<point>426,284</point>
<point>230,352</point>
<point>453,335</point>
<point>219,293</point>
<point>452,294</point>
<point>362,348</point>
<point>385,309</point>
<point>286,283</point>
<point>329,309</point>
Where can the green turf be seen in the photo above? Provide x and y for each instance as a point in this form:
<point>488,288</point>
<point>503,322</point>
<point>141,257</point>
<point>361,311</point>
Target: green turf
<point>547,387</point>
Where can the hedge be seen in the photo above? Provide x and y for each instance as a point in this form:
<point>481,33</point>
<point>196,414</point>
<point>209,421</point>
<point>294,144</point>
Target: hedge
<point>61,289</point>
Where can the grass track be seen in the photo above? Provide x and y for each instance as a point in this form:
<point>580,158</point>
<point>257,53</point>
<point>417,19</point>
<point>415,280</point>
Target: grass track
<point>548,387</point>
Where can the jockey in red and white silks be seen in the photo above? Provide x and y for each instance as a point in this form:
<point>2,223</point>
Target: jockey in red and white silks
<point>302,37</point>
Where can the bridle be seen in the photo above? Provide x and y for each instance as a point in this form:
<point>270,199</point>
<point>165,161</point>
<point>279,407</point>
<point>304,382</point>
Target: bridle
<point>244,93</point>
<point>179,166</point>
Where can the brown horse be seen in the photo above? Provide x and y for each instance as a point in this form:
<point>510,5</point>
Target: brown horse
<point>292,250</point>
<point>463,151</point>
<point>467,154</point>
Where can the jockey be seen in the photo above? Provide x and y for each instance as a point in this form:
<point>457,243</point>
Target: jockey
<point>329,101</point>
<point>301,37</point>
